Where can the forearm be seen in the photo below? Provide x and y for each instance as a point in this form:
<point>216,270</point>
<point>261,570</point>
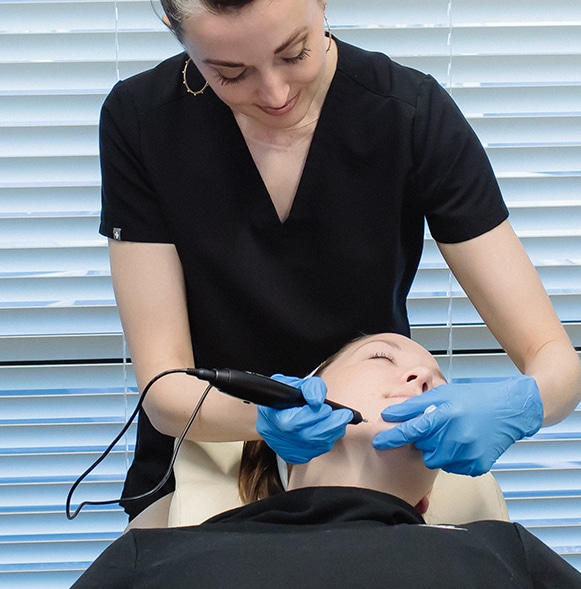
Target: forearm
<point>221,418</point>
<point>557,369</point>
<point>507,292</point>
<point>151,298</point>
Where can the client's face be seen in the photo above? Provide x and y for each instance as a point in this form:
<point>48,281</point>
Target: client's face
<point>369,375</point>
<point>378,371</point>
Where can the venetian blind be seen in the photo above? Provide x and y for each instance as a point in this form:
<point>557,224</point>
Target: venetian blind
<point>65,382</point>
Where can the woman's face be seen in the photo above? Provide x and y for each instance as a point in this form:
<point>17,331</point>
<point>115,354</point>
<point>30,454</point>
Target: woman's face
<point>369,375</point>
<point>378,371</point>
<point>266,61</point>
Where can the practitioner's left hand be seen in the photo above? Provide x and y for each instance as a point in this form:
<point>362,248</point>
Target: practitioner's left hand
<point>465,428</point>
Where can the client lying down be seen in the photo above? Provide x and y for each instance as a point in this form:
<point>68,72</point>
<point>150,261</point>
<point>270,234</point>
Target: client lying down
<point>351,517</point>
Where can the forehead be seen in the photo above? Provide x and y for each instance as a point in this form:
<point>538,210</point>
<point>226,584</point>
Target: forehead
<point>404,350</point>
<point>247,34</point>
<point>257,14</point>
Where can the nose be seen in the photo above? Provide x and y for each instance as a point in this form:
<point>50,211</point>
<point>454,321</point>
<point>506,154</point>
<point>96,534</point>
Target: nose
<point>419,380</point>
<point>274,90</point>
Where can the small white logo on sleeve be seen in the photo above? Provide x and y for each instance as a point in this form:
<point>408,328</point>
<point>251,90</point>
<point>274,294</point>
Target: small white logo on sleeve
<point>117,233</point>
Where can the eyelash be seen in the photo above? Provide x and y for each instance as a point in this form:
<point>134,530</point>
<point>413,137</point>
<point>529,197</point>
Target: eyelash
<point>383,356</point>
<point>304,54</point>
<point>300,57</point>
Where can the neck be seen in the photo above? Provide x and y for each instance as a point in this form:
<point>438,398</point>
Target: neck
<point>352,464</point>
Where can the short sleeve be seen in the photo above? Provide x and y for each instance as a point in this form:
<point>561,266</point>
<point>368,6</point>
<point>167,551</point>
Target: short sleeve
<point>130,208</point>
<point>461,196</point>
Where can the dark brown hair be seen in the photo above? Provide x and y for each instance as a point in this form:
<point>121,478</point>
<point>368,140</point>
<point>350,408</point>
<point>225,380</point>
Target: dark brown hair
<point>258,476</point>
<point>177,10</point>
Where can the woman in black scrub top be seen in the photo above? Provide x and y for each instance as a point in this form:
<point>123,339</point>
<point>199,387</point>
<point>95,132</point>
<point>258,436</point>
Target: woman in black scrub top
<point>265,194</point>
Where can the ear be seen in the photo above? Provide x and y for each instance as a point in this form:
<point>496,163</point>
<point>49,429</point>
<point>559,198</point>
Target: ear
<point>423,504</point>
<point>166,22</point>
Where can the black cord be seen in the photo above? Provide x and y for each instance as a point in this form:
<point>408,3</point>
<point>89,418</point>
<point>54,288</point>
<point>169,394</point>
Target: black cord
<point>177,446</point>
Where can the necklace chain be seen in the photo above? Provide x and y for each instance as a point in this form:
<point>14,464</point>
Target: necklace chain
<point>303,125</point>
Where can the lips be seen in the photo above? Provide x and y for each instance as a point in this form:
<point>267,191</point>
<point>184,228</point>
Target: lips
<point>403,396</point>
<point>283,110</point>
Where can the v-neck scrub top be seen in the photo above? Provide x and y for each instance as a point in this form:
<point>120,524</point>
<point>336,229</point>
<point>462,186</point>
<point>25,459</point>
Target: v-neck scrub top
<point>390,149</point>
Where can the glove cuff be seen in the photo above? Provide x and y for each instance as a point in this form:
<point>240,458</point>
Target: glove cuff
<point>532,404</point>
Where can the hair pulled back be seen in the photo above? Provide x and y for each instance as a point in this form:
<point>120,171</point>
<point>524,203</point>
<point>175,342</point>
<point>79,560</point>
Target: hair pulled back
<point>178,10</point>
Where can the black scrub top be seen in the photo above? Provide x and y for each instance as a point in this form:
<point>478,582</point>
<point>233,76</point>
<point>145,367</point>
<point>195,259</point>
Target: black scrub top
<point>330,537</point>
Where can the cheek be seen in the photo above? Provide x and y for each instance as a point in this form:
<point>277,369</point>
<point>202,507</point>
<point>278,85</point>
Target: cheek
<point>368,404</point>
<point>357,389</point>
<point>230,94</point>
<point>313,76</point>
<point>341,387</point>
<point>308,72</point>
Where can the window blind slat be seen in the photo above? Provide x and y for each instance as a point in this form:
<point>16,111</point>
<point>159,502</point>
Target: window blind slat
<point>41,141</point>
<point>47,199</point>
<point>35,348</point>
<point>30,172</point>
<point>50,110</point>
<point>95,318</point>
<point>532,130</point>
<point>59,78</point>
<point>56,231</point>
<point>535,160</point>
<point>471,338</point>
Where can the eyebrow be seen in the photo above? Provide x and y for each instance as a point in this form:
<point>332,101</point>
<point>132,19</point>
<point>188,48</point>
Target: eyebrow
<point>294,38</point>
<point>382,341</point>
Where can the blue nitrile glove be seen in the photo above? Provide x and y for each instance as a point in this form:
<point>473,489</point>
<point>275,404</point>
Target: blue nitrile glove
<point>465,428</point>
<point>301,433</point>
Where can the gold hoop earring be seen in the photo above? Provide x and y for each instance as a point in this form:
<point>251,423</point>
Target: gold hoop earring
<point>328,31</point>
<point>185,81</point>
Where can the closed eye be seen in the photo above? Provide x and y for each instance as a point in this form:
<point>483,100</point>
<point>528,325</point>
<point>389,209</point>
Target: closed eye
<point>300,57</point>
<point>383,356</point>
<point>224,80</point>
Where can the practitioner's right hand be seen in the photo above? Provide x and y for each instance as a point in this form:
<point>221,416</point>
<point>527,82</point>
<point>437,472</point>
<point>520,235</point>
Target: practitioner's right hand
<point>301,433</point>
